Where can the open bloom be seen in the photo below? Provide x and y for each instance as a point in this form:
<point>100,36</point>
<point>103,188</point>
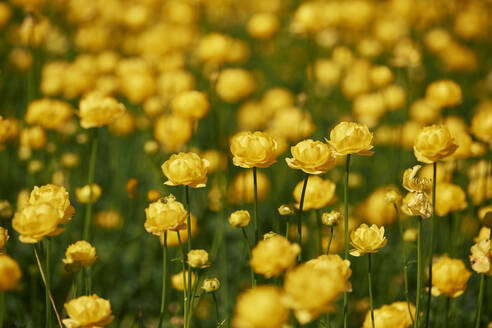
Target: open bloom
<point>449,277</point>
<point>165,214</point>
<point>313,157</point>
<point>49,113</point>
<point>395,315</point>
<point>449,198</point>
<point>253,149</point>
<point>79,254</point>
<point>10,273</point>
<point>186,169</point>
<point>191,104</point>
<point>88,311</point>
<point>97,110</point>
<point>351,138</point>
<point>367,239</point>
<point>57,196</point>
<point>34,222</point>
<point>272,256</point>
<point>433,143</point>
<point>481,257</point>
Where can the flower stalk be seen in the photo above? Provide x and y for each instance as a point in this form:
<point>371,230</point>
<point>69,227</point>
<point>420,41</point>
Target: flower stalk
<point>299,219</point>
<point>369,281</point>
<point>345,225</point>
<point>164,279</point>
<point>433,219</point>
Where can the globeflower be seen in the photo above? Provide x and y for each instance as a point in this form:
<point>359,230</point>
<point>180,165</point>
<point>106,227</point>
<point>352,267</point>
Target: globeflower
<point>449,277</point>
<point>97,110</point>
<point>313,157</point>
<point>253,149</point>
<point>79,254</point>
<point>319,193</point>
<point>367,239</point>
<point>10,273</point>
<point>239,219</point>
<point>165,214</point>
<point>88,193</point>
<point>186,169</point>
<point>351,138</point>
<point>481,257</point>
<point>395,315</point>
<point>88,311</point>
<point>272,256</point>
<point>433,143</point>
<point>34,222</point>
<point>198,258</point>
<point>449,198</point>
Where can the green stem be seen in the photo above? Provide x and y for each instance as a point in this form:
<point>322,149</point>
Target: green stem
<point>446,313</point>
<point>90,181</point>
<point>405,264</point>
<point>164,279</point>
<point>255,222</point>
<point>346,228</point>
<point>419,273</point>
<point>185,291</point>
<point>47,249</point>
<point>217,321</point>
<point>329,241</point>
<point>369,280</point>
<point>480,301</point>
<point>299,219</point>
<point>287,228</point>
<point>320,232</point>
<point>2,308</point>
<point>246,240</point>
<point>193,289</point>
<point>429,298</point>
<point>188,223</point>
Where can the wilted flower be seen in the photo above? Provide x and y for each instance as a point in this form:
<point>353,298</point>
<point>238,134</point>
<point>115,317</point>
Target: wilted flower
<point>10,273</point>
<point>239,219</point>
<point>88,194</point>
<point>253,149</point>
<point>88,311</point>
<point>319,193</point>
<point>165,214</point>
<point>413,183</point>
<point>273,255</point>
<point>79,254</point>
<point>395,315</point>
<point>433,143</point>
<point>367,239</point>
<point>186,169</point>
<point>332,218</point>
<point>97,110</point>
<point>417,204</point>
<point>198,258</point>
<point>210,285</point>
<point>392,196</point>
<point>351,138</point>
<point>449,277</point>
<point>481,257</point>
<point>313,157</point>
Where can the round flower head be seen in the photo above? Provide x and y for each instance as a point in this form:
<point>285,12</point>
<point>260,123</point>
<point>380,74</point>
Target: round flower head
<point>10,273</point>
<point>449,277</point>
<point>481,124</point>
<point>313,157</point>
<point>49,113</point>
<point>178,283</point>
<point>97,110</point>
<point>234,84</point>
<point>165,214</point>
<point>319,193</point>
<point>286,209</point>
<point>481,257</point>
<point>172,236</point>
<point>88,311</point>
<point>351,138</point>
<point>410,235</point>
<point>239,219</point>
<point>272,256</point>
<point>80,254</point>
<point>433,143</point>
<point>34,222</point>
<point>57,196</point>
<point>262,25</point>
<point>417,204</point>
<point>367,239</point>
<point>88,194</point>
<point>210,285</point>
<point>444,93</point>
<point>109,219</point>
<point>172,131</point>
<point>260,307</point>
<point>253,149</point>
<point>186,169</point>
<point>376,209</point>
<point>198,258</point>
<point>332,218</point>
<point>449,198</point>
<point>395,315</point>
<point>191,104</point>
<point>4,237</point>
<point>241,189</point>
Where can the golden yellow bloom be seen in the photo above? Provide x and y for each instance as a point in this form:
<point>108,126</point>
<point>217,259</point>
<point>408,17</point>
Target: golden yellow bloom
<point>165,214</point>
<point>351,138</point>
<point>79,254</point>
<point>395,315</point>
<point>241,190</point>
<point>4,237</point>
<point>234,84</point>
<point>413,183</point>
<point>433,143</point>
<point>210,285</point>
<point>481,125</point>
<point>186,169</point>
<point>291,123</point>
<point>172,131</point>
<point>444,93</point>
<point>198,258</point>
<point>477,189</point>
<point>178,283</point>
<point>449,277</point>
<point>392,196</point>
<point>88,194</point>
<point>485,215</point>
<point>191,104</point>
<point>319,193</point>
<point>417,204</point>
<point>10,273</point>
<point>88,311</point>
<point>481,257</point>
<point>313,157</point>
<point>172,236</point>
<point>332,218</point>
<point>367,239</point>
<point>34,222</point>
<point>239,219</point>
<point>262,25</point>
<point>70,160</point>
<point>286,209</point>
<point>49,113</point>
<point>253,149</point>
<point>109,219</point>
<point>449,198</point>
<point>33,137</point>
<point>123,125</point>
<point>274,255</point>
<point>260,307</point>
<point>56,196</point>
<point>97,110</point>
<point>376,209</point>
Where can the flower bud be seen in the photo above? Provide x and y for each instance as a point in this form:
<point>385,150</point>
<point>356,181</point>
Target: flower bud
<point>210,285</point>
<point>239,219</point>
<point>79,254</point>
<point>198,258</point>
<point>286,209</point>
<point>332,218</point>
<point>88,194</point>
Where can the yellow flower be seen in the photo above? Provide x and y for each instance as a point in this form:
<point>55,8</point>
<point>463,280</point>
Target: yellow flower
<point>234,84</point>
<point>449,198</point>
<point>210,285</point>
<point>417,204</point>
<point>286,209</point>
<point>413,183</point>
<point>198,258</point>
<point>392,196</point>
<point>260,307</point>
<point>56,196</point>
<point>4,237</point>
<point>433,143</point>
<point>272,256</point>
<point>253,149</point>
<point>481,124</point>
<point>10,273</point>
<point>239,219</point>
<point>177,280</point>
<point>376,209</point>
<point>395,315</point>
<point>481,257</point>
<point>165,214</point>
<point>49,113</point>
<point>172,131</point>
<point>367,239</point>
<point>485,215</point>
<point>88,311</point>
<point>109,219</point>
<point>172,236</point>
<point>33,137</point>
<point>332,218</point>
<point>319,193</point>
<point>241,190</point>
<point>186,169</point>
<point>444,93</point>
<point>97,110</point>
<point>79,254</point>
<point>351,138</point>
<point>88,194</point>
<point>449,277</point>
<point>191,104</point>
<point>263,25</point>
<point>313,157</point>
<point>34,222</point>
<point>410,235</point>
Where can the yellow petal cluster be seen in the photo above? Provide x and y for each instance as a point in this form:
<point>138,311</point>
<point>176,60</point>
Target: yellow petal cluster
<point>4,237</point>
<point>88,311</point>
<point>376,210</point>
<point>239,219</point>
<point>172,131</point>
<point>313,157</point>
<point>108,219</point>
<point>351,138</point>
<point>198,258</point>
<point>417,204</point>
<point>10,273</point>
<point>88,194</point>
<point>319,193</point>
<point>241,189</point>
<point>274,255</point>
<point>481,125</point>
<point>253,149</point>
<point>210,285</point>
<point>49,113</point>
<point>97,110</point>
<point>433,143</point>
<point>367,239</point>
<point>191,104</point>
<point>186,169</point>
<point>172,236</point>
<point>481,257</point>
<point>449,277</point>
<point>444,93</point>
<point>79,254</point>
<point>177,280</point>
<point>57,196</point>
<point>234,84</point>
<point>34,222</point>
<point>449,198</point>
<point>395,315</point>
<point>332,218</point>
<point>165,214</point>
